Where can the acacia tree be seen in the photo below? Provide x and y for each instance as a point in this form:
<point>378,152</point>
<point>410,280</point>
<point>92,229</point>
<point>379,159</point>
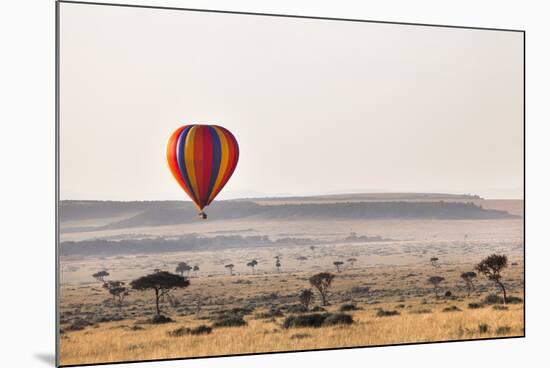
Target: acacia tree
<point>183,267</point>
<point>196,269</point>
<point>230,268</point>
<point>468,278</point>
<point>338,264</point>
<point>491,268</point>
<point>252,264</point>
<point>117,290</point>
<point>301,259</point>
<point>100,276</point>
<point>306,297</point>
<point>161,282</point>
<point>435,281</point>
<point>352,261</point>
<point>322,282</point>
<point>435,262</point>
<point>278,264</point>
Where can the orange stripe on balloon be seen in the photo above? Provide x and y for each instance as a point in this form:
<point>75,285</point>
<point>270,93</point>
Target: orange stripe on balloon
<point>171,157</point>
<point>223,163</point>
<point>232,159</point>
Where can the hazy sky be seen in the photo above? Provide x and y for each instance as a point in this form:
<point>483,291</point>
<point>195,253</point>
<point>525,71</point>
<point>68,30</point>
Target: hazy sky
<point>316,106</point>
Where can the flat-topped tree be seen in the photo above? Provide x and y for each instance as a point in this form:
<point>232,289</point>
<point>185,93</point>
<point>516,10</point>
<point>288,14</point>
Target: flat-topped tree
<point>196,269</point>
<point>352,261</point>
<point>338,264</point>
<point>252,264</point>
<point>435,281</point>
<point>230,268</point>
<point>161,282</point>
<point>306,297</point>
<point>322,282</point>
<point>491,268</point>
<point>469,278</point>
<point>100,276</point>
<point>183,267</point>
<point>118,290</point>
<point>278,265</point>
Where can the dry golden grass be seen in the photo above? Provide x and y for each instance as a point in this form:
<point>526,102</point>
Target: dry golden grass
<point>116,342</point>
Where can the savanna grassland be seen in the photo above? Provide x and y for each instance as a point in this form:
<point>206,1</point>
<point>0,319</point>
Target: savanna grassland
<point>381,284</point>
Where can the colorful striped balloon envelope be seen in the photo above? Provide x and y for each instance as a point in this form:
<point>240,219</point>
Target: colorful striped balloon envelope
<point>202,158</point>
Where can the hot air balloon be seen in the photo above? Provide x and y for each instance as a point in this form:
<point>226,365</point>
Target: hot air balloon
<point>202,158</point>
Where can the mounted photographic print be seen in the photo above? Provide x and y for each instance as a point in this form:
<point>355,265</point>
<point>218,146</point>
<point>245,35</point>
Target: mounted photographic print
<point>235,183</point>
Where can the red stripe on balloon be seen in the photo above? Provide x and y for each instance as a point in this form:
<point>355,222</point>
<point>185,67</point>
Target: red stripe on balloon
<point>203,166</point>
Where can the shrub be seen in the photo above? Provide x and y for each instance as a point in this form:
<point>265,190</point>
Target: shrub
<point>503,330</point>
<point>483,328</point>
<point>493,299</point>
<point>360,289</point>
<point>160,319</point>
<point>299,336</point>
<point>271,313</point>
<point>448,294</point>
<point>305,320</point>
<point>178,332</point>
<point>229,320</point>
<point>199,330</point>
<point>475,305</point>
<point>318,308</point>
<point>78,324</point>
<point>338,319</point>
<point>422,311</point>
<point>295,308</point>
<point>496,299</point>
<point>514,300</point>
<point>500,307</point>
<point>348,307</point>
<point>242,311</point>
<point>452,308</point>
<point>102,319</point>
<point>385,313</point>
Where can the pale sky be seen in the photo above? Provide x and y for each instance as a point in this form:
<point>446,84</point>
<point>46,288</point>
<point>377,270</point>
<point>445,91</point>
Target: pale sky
<point>317,106</point>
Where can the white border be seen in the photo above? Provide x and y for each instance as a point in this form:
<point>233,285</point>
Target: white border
<point>27,151</point>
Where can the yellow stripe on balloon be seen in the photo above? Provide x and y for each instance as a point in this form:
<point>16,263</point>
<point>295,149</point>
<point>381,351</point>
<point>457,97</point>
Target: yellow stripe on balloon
<point>224,160</point>
<point>190,160</point>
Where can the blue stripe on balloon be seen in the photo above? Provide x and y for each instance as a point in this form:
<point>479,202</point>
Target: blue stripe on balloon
<point>216,160</point>
<point>180,157</point>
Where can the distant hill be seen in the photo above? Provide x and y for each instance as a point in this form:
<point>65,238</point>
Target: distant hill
<point>388,206</point>
<point>371,197</point>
